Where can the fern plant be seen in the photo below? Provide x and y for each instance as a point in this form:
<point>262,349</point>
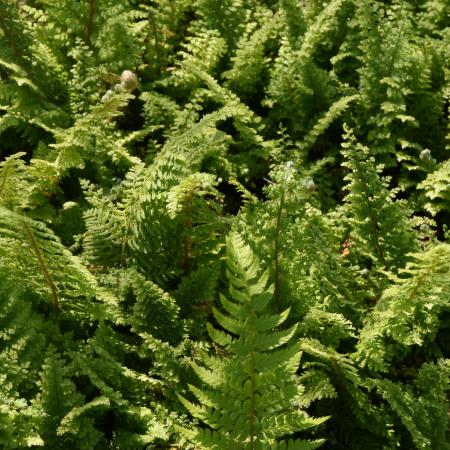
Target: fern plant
<point>409,311</point>
<point>380,226</point>
<point>139,134</point>
<point>250,393</point>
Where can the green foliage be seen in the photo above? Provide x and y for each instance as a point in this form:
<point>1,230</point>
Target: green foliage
<point>379,226</point>
<point>408,311</point>
<point>32,255</point>
<point>423,414</point>
<point>136,136</point>
<point>437,189</point>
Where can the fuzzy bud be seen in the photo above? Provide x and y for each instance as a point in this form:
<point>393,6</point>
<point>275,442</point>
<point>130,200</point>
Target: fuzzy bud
<point>289,165</point>
<point>128,80</point>
<point>309,185</point>
<point>425,155</point>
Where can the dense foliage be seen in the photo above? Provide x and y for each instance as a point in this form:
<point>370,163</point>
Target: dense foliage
<point>223,224</point>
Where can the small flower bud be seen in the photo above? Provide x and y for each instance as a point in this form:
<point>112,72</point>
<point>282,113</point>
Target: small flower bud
<point>118,88</point>
<point>128,80</point>
<point>425,154</point>
<point>365,273</point>
<point>309,185</point>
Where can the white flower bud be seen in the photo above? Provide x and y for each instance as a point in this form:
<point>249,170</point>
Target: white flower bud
<point>309,185</point>
<point>118,88</point>
<point>128,80</point>
<point>425,154</point>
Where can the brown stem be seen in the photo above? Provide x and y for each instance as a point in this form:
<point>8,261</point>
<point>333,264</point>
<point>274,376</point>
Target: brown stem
<point>5,176</point>
<point>277,250</point>
<point>42,265</point>
<point>187,243</point>
<point>90,22</point>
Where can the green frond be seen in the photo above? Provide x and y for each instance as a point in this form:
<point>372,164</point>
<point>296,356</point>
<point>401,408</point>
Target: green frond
<point>418,411</point>
<point>250,391</point>
<point>207,439</point>
<point>298,445</point>
<point>12,174</point>
<point>437,189</point>
<point>32,252</point>
<point>288,359</point>
<point>380,225</point>
<point>220,219</point>
<point>71,422</point>
<point>409,312</point>
<point>235,326</point>
<point>335,110</point>
<point>270,341</point>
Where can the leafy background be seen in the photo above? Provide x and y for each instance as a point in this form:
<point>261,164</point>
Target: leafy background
<point>147,146</point>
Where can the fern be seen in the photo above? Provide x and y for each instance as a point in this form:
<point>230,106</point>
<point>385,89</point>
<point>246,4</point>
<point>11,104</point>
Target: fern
<point>135,135</point>
<point>380,224</point>
<point>408,313</point>
<point>42,263</point>
<point>437,189</point>
<point>331,374</point>
<point>250,392</point>
<point>422,409</point>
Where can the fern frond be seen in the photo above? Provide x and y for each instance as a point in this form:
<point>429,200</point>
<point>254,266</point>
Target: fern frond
<point>380,224</point>
<point>249,392</point>
<point>437,188</point>
<point>408,313</point>
<point>33,254</point>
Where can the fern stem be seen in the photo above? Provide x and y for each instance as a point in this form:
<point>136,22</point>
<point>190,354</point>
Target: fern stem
<point>373,221</point>
<point>252,396</point>
<point>123,245</point>
<point>42,264</point>
<point>187,244</point>
<point>90,22</point>
<point>5,176</point>
<point>394,54</point>
<point>277,248</point>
